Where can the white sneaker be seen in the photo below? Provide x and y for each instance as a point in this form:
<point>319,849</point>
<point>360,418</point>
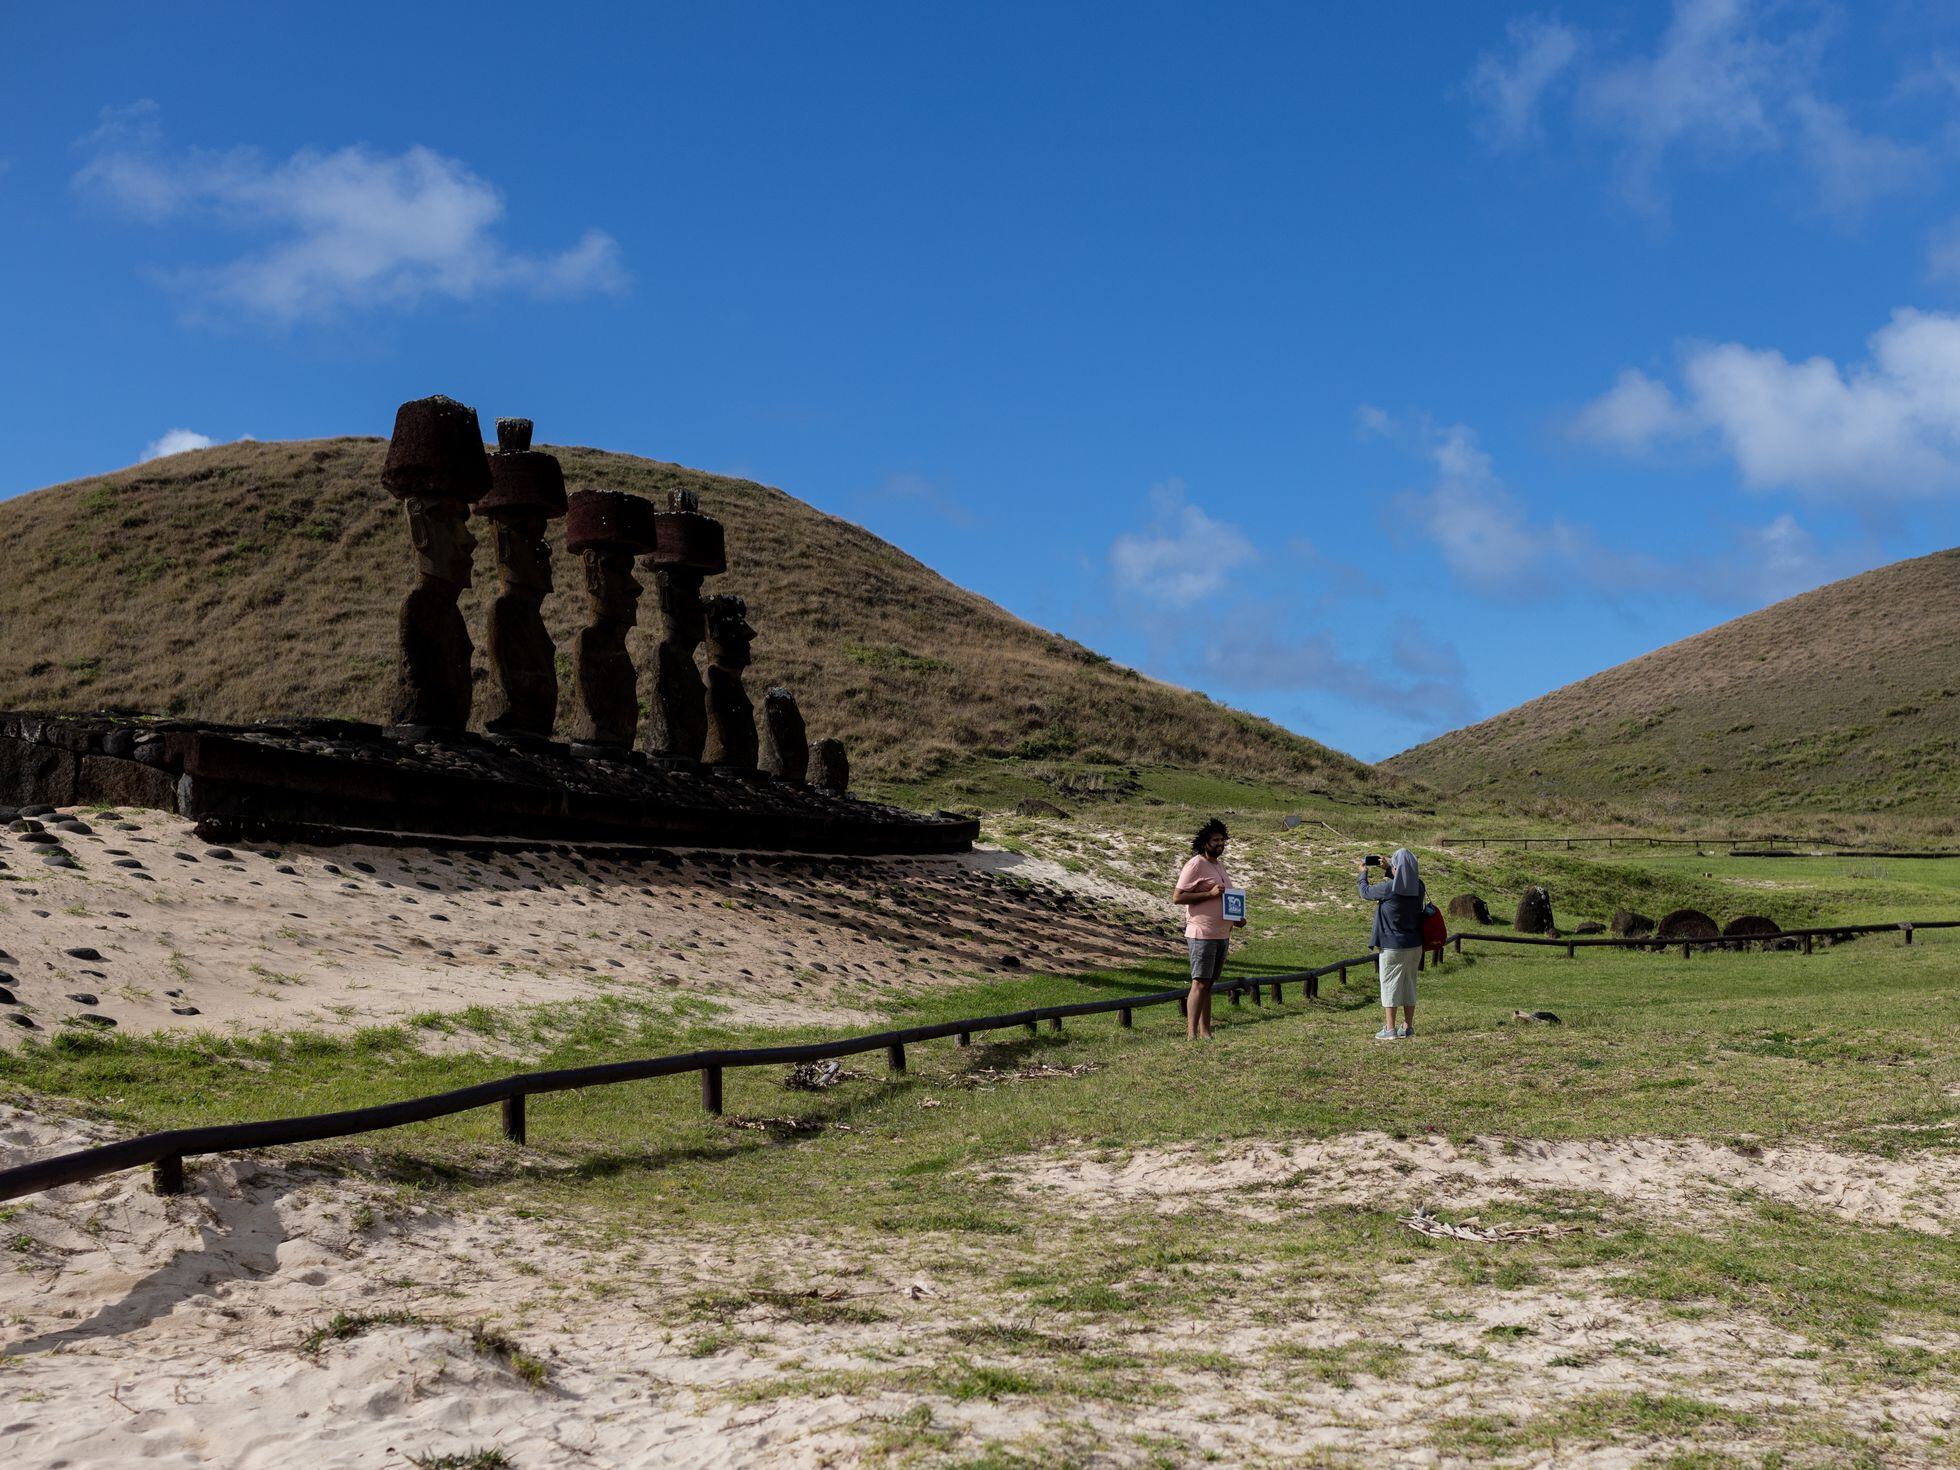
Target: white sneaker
<point>1385,1034</point>
<point>1403,1033</point>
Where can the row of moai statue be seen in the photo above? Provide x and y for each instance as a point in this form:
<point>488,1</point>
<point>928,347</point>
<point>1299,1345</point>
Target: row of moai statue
<point>437,468</point>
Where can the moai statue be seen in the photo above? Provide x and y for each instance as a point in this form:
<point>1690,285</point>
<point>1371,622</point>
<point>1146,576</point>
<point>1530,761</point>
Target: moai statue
<point>436,468</point>
<point>527,489</point>
<point>731,720</point>
<point>830,770</point>
<point>688,546</point>
<point>785,749</point>
<point>608,528</point>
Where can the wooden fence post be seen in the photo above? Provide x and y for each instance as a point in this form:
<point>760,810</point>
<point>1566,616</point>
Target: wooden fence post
<point>1031,1028</point>
<point>1054,1023</point>
<point>711,1090</point>
<point>1806,944</point>
<point>1908,929</point>
<point>1258,993</point>
<point>1343,974</point>
<point>167,1174</point>
<point>1235,995</point>
<point>895,1056</point>
<point>965,1038</point>
<point>514,1118</point>
<point>1571,950</point>
<point>1125,1020</point>
<point>1312,988</point>
<point>1459,944</point>
<point>1686,949</point>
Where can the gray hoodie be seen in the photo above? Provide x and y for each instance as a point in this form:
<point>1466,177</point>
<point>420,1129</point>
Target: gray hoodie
<point>1399,901</point>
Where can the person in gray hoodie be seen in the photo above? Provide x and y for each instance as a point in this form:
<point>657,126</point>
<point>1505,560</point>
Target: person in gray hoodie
<point>1398,935</point>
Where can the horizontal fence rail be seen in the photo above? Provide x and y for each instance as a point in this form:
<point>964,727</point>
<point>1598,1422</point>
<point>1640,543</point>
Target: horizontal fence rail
<point>165,1152</point>
<point>1771,846</point>
<point>1688,943</point>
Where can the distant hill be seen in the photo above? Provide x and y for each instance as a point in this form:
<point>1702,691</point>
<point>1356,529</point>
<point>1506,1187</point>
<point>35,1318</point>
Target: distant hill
<point>248,580</point>
<point>1843,700</point>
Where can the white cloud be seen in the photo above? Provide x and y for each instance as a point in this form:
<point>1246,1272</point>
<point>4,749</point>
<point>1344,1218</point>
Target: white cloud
<point>1183,557</point>
<point>1722,84</point>
<point>350,229</point>
<point>1888,426</point>
<point>174,441</point>
<point>1706,88</point>
<point>1492,542</point>
<point>1853,169</point>
<point>1315,662</point>
<point>1508,87</point>
<point>1632,414</point>
<point>1778,560</point>
<point>1943,253</point>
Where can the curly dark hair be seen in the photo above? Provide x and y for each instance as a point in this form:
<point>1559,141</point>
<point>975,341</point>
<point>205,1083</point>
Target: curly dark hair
<point>1211,829</point>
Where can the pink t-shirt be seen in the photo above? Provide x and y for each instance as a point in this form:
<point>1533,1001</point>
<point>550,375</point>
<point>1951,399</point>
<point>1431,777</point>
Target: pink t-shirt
<point>1206,918</point>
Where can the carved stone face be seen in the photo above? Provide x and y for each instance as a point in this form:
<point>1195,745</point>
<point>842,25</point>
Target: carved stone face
<point>523,558</point>
<point>444,546</point>
<point>729,637</point>
<point>682,619</point>
<point>610,582</point>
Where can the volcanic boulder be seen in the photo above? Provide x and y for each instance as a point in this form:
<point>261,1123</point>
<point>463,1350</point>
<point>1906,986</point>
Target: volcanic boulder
<point>1469,906</point>
<point>1534,912</point>
<point>1630,924</point>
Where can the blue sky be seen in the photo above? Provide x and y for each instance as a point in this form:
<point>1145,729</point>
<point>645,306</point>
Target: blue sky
<point>1374,368</point>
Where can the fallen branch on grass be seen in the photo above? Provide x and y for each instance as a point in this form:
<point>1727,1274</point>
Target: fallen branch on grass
<point>1424,1223</point>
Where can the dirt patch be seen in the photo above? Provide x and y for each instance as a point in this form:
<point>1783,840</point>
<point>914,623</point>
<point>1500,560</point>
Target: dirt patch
<point>279,1316</point>
<point>1667,1178</point>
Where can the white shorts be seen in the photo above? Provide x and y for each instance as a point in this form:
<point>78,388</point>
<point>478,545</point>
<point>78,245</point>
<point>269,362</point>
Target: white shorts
<point>1398,967</point>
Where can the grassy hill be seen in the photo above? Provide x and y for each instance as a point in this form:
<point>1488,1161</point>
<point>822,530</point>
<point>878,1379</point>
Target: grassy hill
<point>1841,701</point>
<point>250,580</point>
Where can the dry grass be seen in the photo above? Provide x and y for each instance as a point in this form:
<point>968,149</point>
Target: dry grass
<point>250,580</point>
<point>1841,700</point>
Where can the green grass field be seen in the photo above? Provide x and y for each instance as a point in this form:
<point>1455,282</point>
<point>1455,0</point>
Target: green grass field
<point>1112,1308</point>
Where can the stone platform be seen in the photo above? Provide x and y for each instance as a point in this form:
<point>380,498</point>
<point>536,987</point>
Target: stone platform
<point>327,779</point>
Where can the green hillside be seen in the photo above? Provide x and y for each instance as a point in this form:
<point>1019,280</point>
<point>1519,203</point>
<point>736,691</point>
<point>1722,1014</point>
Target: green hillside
<point>250,580</point>
<point>1841,701</point>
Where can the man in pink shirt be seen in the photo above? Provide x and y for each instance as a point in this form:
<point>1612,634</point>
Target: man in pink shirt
<point>1207,932</point>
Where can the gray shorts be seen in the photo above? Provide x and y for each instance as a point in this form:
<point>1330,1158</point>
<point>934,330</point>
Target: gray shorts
<point>1207,958</point>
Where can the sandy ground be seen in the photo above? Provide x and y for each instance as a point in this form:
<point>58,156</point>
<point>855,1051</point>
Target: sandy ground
<point>156,929</point>
<point>1664,1178</point>
<point>175,1332</point>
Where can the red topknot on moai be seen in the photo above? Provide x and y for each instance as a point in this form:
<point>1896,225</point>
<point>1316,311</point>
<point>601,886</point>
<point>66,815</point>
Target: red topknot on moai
<point>436,468</point>
<point>527,489</point>
<point>608,528</point>
<point>687,548</point>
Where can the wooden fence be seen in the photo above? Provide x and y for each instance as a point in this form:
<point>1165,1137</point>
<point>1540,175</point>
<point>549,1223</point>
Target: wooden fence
<point>165,1152</point>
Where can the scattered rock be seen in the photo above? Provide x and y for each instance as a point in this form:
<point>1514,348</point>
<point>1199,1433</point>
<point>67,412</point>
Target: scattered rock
<point>21,1020</point>
<point>83,998</point>
<point>1751,926</point>
<point>1009,962</point>
<point>85,953</point>
<point>1627,924</point>
<point>184,1011</point>
<point>1034,806</point>
<point>221,854</point>
<point>1469,906</point>
<point>91,1019</point>
<point>1591,926</point>
<point>1546,1016</point>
